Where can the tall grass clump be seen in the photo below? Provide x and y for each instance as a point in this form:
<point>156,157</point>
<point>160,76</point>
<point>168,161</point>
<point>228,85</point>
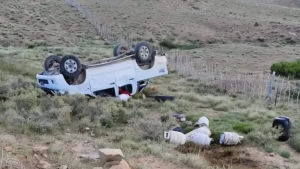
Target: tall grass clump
<point>295,142</point>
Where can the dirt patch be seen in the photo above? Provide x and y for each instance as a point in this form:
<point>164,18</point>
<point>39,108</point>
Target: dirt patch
<point>234,156</point>
<point>230,156</point>
<point>150,162</point>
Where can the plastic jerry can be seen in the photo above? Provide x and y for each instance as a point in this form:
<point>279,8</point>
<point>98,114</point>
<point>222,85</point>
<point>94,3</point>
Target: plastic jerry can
<point>286,125</point>
<point>203,130</point>
<point>175,137</point>
<point>230,138</point>
<point>201,139</point>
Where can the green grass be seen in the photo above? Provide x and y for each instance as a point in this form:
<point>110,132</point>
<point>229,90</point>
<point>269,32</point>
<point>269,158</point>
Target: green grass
<point>295,142</point>
<point>285,154</point>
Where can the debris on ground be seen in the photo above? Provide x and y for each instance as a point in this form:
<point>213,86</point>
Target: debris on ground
<point>200,135</point>
<point>178,129</point>
<point>175,137</point>
<point>203,121</point>
<point>124,97</point>
<point>230,138</point>
<point>285,124</point>
<point>179,117</point>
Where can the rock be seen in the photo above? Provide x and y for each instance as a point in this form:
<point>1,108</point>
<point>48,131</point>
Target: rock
<point>272,154</point>
<point>8,149</point>
<point>87,129</point>
<point>63,167</point>
<point>40,149</point>
<point>97,168</point>
<point>83,156</point>
<point>36,156</point>
<point>111,154</point>
<point>256,24</point>
<point>45,155</point>
<point>123,165</point>
<point>44,164</point>
<point>261,39</point>
<point>111,163</point>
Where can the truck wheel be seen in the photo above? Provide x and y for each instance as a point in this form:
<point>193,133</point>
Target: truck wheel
<point>50,60</point>
<point>143,52</point>
<point>119,49</point>
<point>70,66</point>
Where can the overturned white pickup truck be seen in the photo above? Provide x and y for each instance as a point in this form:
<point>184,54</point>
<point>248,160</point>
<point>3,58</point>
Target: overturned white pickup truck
<point>129,70</point>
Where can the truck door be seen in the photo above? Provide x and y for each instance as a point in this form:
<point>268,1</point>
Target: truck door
<point>103,81</point>
<point>126,77</point>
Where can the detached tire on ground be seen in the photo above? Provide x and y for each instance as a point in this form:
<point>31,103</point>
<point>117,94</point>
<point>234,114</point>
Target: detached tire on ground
<point>50,60</point>
<point>120,49</point>
<point>143,52</point>
<point>70,66</point>
<point>164,98</point>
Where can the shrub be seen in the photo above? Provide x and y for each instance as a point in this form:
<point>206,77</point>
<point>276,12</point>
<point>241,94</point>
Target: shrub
<point>265,138</point>
<point>295,142</point>
<point>170,45</point>
<point>285,68</point>
<point>285,154</point>
<point>152,128</point>
<point>243,127</point>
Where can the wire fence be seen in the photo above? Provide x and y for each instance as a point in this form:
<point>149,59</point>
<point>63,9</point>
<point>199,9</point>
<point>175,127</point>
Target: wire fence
<point>104,32</point>
<point>264,85</point>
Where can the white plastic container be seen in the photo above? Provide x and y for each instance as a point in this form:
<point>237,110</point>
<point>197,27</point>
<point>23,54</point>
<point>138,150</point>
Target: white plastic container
<point>203,121</point>
<point>175,137</point>
<point>204,130</point>
<point>199,138</point>
<point>230,138</point>
<point>124,97</point>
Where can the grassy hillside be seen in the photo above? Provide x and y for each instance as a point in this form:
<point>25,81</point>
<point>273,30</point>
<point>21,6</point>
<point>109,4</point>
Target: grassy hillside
<point>68,125</point>
<point>42,22</point>
<point>135,125</point>
<point>199,21</point>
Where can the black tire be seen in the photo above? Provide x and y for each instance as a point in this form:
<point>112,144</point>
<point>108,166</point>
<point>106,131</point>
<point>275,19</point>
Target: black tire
<point>70,66</point>
<point>164,98</point>
<point>143,52</point>
<point>119,49</point>
<point>50,60</point>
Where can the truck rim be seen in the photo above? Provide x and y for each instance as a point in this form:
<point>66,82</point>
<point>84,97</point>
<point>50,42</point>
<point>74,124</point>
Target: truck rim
<point>144,52</point>
<point>70,66</point>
